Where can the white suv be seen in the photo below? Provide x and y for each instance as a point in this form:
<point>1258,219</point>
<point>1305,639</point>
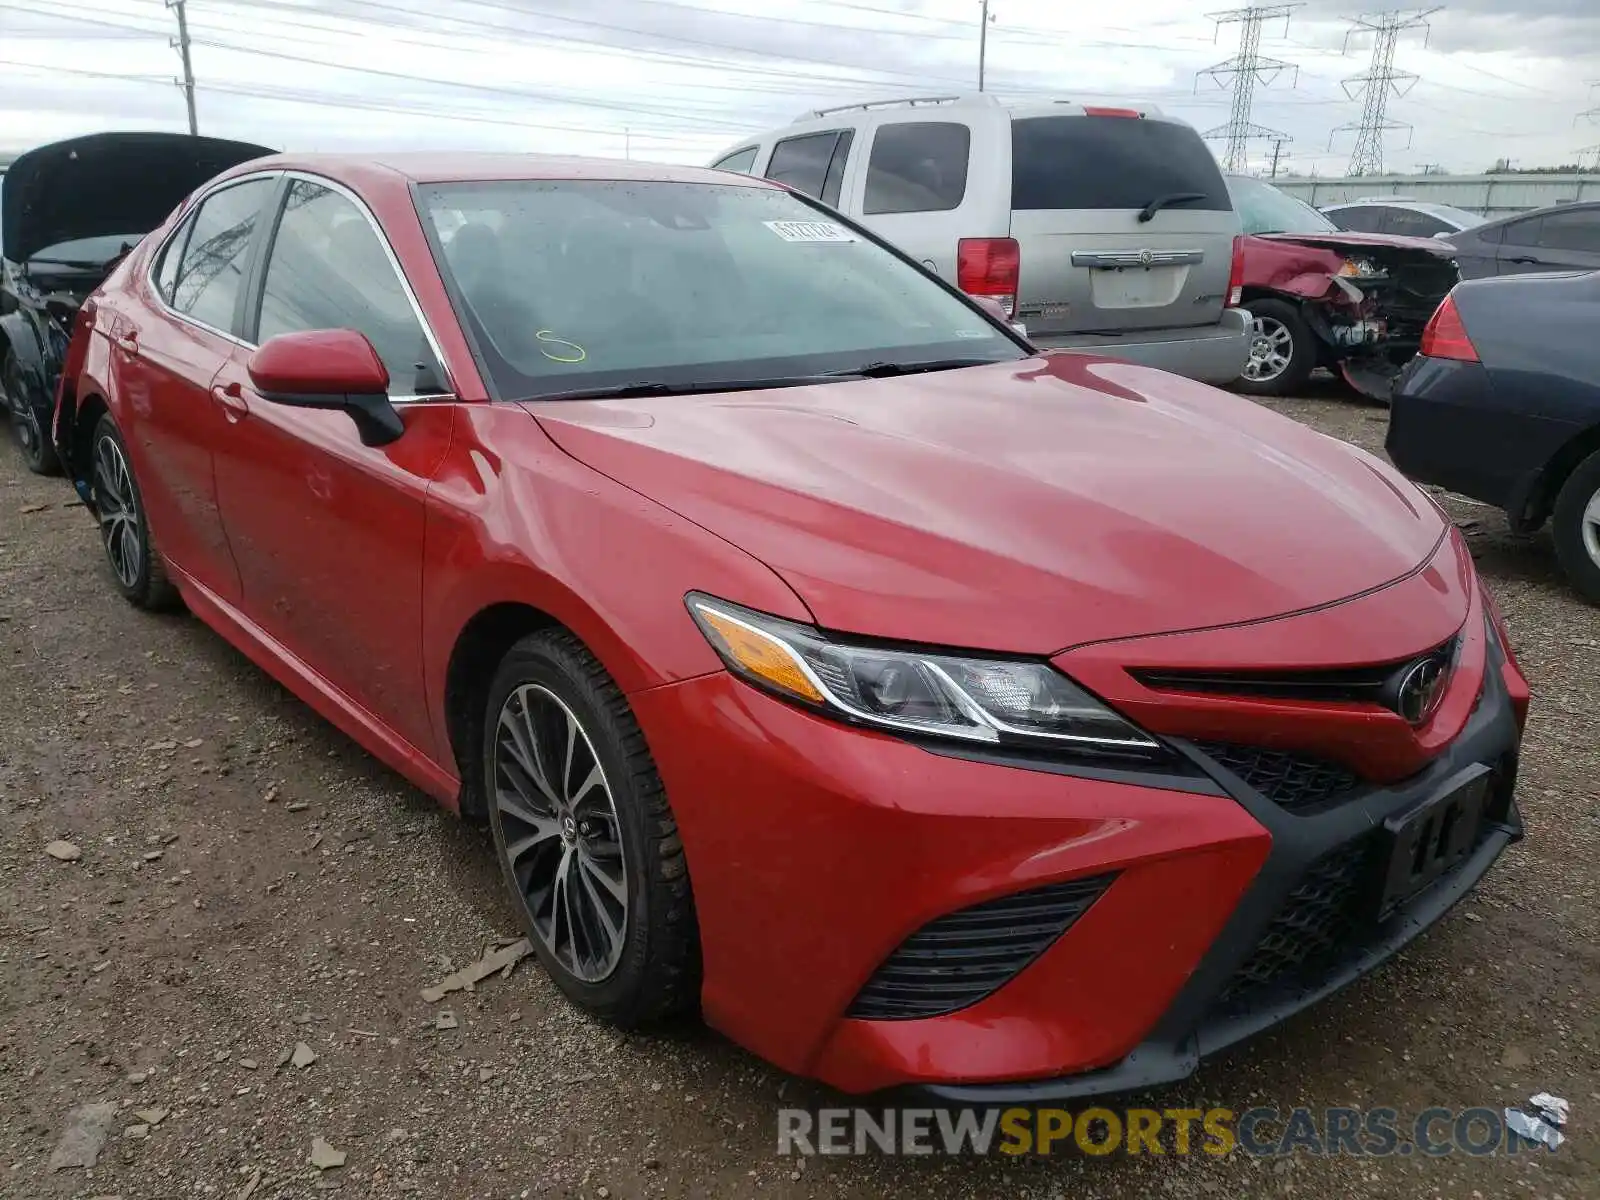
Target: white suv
<point>1107,229</point>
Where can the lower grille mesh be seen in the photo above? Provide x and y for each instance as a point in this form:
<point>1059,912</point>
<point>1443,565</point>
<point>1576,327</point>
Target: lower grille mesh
<point>1296,782</point>
<point>958,959</point>
<point>1316,924</point>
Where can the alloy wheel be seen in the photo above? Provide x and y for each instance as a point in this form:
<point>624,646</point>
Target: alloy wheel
<point>1271,348</point>
<point>119,511</point>
<point>1591,528</point>
<point>563,839</point>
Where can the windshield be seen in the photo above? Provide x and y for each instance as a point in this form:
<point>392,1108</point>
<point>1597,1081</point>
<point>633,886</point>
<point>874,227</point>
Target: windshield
<point>569,285</point>
<point>1265,209</point>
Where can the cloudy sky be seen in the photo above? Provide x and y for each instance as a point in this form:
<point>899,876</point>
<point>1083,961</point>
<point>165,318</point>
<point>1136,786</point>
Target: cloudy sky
<point>679,80</point>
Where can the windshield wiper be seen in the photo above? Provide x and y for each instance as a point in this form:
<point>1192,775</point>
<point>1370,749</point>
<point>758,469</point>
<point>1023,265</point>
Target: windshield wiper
<point>656,387</point>
<point>882,370</point>
<point>1148,212</point>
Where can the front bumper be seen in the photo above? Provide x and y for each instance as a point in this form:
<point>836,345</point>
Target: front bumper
<point>816,850</point>
<point>1214,354</point>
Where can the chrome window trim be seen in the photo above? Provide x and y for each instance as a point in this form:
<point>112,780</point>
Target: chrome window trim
<point>450,396</point>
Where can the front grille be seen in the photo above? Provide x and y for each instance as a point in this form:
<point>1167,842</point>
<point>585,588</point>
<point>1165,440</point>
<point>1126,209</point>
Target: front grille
<point>1378,683</point>
<point>1299,783</point>
<point>1318,921</point>
<point>958,959</point>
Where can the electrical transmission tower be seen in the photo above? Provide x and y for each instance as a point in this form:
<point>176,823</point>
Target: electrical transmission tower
<point>1247,68</point>
<point>1379,83</point>
<point>1592,115</point>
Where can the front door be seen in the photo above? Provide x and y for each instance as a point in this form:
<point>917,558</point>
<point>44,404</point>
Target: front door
<point>328,532</point>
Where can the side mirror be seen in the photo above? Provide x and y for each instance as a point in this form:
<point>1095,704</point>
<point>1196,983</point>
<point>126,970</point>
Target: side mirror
<point>329,368</point>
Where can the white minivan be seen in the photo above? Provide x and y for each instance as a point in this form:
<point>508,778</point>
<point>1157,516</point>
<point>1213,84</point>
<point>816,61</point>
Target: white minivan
<point>1099,228</point>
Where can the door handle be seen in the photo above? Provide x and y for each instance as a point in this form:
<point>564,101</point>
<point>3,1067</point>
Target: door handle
<point>128,343</point>
<point>1523,259</point>
<point>231,397</point>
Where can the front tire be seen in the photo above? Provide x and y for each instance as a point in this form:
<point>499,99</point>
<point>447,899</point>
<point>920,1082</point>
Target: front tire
<point>33,438</point>
<point>130,548</point>
<point>1576,526</point>
<point>585,836</point>
<point>1283,350</point>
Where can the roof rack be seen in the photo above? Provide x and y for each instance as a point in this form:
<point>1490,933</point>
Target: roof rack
<point>902,101</point>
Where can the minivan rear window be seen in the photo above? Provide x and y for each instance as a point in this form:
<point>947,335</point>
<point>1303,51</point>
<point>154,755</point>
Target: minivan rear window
<point>1110,162</point>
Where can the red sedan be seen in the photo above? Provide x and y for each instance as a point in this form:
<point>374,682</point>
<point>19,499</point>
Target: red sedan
<point>922,708</point>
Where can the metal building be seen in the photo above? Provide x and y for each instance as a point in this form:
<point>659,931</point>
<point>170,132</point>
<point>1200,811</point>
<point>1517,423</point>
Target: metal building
<point>1487,195</point>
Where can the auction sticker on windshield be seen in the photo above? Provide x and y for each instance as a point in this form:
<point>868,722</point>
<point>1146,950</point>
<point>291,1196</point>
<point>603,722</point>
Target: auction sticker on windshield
<point>810,231</point>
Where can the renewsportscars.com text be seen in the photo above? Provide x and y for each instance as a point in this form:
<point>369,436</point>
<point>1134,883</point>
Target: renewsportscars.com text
<point>1259,1132</point>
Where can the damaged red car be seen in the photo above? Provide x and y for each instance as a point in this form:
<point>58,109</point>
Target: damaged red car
<point>1354,303</point>
<point>921,708</point>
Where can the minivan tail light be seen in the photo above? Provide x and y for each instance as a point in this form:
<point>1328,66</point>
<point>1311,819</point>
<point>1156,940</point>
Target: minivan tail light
<point>1091,111</point>
<point>990,267</point>
<point>1445,335</point>
<point>1236,275</point>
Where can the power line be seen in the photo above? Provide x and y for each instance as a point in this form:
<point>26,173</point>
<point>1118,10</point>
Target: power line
<point>1380,82</point>
<point>1247,68</point>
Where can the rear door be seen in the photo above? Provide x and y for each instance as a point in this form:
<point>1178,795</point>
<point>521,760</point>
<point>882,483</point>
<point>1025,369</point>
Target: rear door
<point>1079,187</point>
<point>1477,251</point>
<point>1558,240</point>
<point>921,192</point>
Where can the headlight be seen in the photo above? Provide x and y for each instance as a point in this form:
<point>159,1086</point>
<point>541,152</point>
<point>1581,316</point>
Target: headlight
<point>1360,267</point>
<point>993,701</point>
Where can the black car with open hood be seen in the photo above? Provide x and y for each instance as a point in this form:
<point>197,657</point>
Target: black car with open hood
<point>69,211</point>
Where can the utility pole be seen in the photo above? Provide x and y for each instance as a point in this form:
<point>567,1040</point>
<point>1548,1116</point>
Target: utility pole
<point>182,46</point>
<point>627,143</point>
<point>983,40</point>
<point>1380,82</point>
<point>1247,68</point>
<point>1277,155</point>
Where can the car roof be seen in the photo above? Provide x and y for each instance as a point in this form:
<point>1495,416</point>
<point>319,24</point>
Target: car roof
<point>429,166</point>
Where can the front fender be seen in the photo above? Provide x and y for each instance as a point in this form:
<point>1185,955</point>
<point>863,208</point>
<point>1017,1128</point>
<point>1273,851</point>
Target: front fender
<point>514,519</point>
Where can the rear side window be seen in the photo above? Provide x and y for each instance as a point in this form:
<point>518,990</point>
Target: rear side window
<point>813,164</point>
<point>1577,230</point>
<point>1363,218</point>
<point>739,160</point>
<point>918,166</point>
<point>212,269</point>
<point>1110,162</point>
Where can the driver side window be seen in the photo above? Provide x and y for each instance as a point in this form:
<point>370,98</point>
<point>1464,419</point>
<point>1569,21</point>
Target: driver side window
<point>327,269</point>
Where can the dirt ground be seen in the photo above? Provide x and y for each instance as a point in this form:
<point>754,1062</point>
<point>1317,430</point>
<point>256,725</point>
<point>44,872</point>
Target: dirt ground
<point>250,880</point>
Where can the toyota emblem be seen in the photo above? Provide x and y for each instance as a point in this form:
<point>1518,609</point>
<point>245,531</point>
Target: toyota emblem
<point>1420,690</point>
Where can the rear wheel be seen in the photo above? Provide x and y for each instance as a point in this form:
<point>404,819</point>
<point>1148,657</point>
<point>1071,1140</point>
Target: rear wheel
<point>586,839</point>
<point>1283,350</point>
<point>32,437</point>
<point>136,564</point>
<point>1576,525</point>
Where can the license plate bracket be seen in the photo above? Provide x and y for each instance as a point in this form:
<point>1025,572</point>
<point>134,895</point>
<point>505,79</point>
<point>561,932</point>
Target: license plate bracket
<point>1429,840</point>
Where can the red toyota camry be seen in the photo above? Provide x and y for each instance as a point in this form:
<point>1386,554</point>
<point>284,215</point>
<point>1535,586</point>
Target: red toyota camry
<point>923,709</point>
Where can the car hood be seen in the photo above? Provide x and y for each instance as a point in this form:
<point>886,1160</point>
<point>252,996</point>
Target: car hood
<point>1338,240</point>
<point>106,183</point>
<point>1023,507</point>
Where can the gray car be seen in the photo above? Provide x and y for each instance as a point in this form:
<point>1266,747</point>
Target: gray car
<point>1097,228</point>
<point>1563,237</point>
<point>1401,216</point>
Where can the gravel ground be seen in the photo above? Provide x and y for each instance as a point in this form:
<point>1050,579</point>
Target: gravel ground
<point>250,881</point>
